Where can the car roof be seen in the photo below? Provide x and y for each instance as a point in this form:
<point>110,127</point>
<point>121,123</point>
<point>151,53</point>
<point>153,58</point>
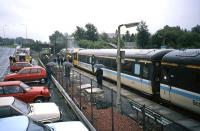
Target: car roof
<point>11,123</point>
<point>69,125</point>
<point>6,83</point>
<point>22,62</point>
<point>6,101</point>
<point>33,67</point>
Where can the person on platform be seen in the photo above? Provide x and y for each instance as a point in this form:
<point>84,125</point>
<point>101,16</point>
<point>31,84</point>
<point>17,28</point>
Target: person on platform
<point>99,77</point>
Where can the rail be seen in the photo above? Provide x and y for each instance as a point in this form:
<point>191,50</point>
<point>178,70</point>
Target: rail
<point>73,106</point>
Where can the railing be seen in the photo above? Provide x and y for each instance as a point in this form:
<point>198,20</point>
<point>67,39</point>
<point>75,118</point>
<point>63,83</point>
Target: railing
<point>91,107</point>
<point>71,103</point>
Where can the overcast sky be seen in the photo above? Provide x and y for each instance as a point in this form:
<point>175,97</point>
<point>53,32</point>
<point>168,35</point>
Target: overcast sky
<point>43,17</point>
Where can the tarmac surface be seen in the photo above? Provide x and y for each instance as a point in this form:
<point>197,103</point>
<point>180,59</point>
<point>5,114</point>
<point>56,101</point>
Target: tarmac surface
<point>5,52</point>
<point>67,113</point>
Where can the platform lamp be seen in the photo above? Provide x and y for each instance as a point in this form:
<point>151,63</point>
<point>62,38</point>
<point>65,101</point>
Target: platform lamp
<point>118,100</point>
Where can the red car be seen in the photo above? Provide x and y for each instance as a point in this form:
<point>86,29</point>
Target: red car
<point>24,92</point>
<point>19,65</point>
<point>28,74</point>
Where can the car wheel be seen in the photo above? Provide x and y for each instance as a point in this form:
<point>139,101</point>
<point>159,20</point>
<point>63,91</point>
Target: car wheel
<point>43,81</point>
<point>39,100</point>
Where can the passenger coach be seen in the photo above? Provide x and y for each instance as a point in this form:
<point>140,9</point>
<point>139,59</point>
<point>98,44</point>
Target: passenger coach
<point>141,69</point>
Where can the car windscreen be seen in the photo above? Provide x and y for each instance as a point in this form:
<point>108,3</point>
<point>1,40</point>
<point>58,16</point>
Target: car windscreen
<point>24,86</point>
<point>36,126</point>
<point>21,106</point>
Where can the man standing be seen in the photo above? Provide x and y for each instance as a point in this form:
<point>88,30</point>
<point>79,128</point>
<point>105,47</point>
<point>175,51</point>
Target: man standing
<point>67,67</point>
<point>99,77</point>
<point>49,72</point>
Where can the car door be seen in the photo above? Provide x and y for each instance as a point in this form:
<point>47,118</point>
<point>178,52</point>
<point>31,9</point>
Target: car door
<point>24,75</point>
<point>35,75</point>
<point>15,91</point>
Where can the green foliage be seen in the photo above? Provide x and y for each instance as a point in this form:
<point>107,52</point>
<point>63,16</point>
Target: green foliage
<point>79,34</point>
<point>92,44</point>
<point>142,37</point>
<point>175,37</point>
<point>196,29</point>
<point>91,32</point>
<point>104,37</point>
<point>126,37</point>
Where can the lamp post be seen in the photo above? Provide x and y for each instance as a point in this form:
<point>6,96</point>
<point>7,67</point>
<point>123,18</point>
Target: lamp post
<point>118,100</point>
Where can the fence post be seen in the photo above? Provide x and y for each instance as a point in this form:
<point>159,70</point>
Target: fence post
<point>80,90</point>
<point>112,110</point>
<point>72,85</point>
<point>62,77</point>
<point>143,114</point>
<point>91,100</point>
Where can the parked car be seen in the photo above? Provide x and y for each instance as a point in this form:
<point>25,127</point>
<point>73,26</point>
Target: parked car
<point>19,65</point>
<point>24,92</point>
<point>28,74</point>
<point>24,123</point>
<point>43,112</point>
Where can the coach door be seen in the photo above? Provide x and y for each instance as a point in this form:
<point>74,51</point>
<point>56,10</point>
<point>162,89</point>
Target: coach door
<point>145,75</point>
<point>165,86</point>
<point>136,81</point>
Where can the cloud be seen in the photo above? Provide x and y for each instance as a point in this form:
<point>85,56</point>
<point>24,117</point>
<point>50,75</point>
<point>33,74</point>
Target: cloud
<point>43,17</point>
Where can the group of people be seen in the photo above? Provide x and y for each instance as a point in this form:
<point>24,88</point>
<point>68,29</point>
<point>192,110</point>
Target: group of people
<point>12,60</point>
<point>67,69</point>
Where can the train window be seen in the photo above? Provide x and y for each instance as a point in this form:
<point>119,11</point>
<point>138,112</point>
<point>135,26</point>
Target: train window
<point>191,82</point>
<point>114,64</point>
<point>90,59</point>
<point>126,67</point>
<point>107,62</point>
<point>75,56</point>
<point>165,72</point>
<point>137,69</point>
<point>174,76</point>
<point>145,72</point>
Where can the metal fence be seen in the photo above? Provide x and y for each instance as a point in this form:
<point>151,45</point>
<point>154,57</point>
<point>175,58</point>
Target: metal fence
<point>99,107</point>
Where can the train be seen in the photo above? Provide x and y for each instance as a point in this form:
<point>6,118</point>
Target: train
<point>170,74</point>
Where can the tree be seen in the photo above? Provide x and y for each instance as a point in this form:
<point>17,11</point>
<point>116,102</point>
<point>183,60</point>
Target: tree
<point>91,32</point>
<point>132,38</point>
<point>142,37</point>
<point>104,37</point>
<point>126,37</point>
<point>79,34</point>
<point>196,29</point>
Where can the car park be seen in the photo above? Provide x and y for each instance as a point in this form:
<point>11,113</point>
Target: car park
<point>28,74</point>
<point>24,92</point>
<point>42,112</point>
<point>24,123</point>
<point>19,65</point>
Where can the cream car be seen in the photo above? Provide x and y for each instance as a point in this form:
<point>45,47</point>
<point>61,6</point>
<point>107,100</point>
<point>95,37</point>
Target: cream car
<point>23,123</point>
<point>42,112</point>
